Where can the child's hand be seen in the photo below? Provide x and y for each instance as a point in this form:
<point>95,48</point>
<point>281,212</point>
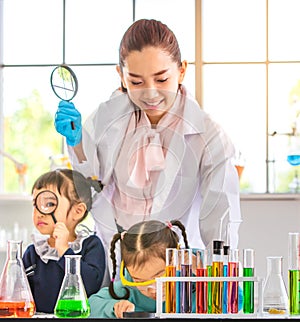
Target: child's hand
<point>61,235</point>
<point>123,306</point>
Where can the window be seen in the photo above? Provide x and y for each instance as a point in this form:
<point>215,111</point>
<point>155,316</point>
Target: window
<point>251,85</point>
<point>248,76</point>
<point>37,43</point>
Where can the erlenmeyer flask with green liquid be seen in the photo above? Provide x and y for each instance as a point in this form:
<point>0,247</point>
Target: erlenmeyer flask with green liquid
<point>72,300</point>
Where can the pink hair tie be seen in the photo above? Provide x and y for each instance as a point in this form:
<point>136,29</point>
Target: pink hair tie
<point>122,234</point>
<point>112,280</point>
<point>168,223</point>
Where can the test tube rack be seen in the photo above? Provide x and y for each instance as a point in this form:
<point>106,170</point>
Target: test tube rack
<point>159,297</point>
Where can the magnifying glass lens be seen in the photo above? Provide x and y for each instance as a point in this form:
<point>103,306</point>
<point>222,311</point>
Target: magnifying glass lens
<point>64,83</point>
<point>46,202</point>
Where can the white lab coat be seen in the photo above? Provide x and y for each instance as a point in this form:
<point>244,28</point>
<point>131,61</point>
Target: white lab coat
<point>201,189</point>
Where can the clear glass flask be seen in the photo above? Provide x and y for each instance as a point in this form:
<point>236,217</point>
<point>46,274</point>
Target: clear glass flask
<point>274,292</point>
<point>16,300</point>
<point>72,300</point>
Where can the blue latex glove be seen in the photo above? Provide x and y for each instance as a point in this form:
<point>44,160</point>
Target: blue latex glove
<point>68,122</point>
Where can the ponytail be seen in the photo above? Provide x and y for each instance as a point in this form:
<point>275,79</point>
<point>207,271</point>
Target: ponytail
<point>96,184</point>
<point>183,231</point>
<point>115,239</point>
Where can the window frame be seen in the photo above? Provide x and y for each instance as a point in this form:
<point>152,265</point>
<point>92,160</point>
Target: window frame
<point>199,64</point>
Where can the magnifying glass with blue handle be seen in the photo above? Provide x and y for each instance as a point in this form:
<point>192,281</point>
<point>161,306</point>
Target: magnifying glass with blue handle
<point>46,202</point>
<point>64,84</point>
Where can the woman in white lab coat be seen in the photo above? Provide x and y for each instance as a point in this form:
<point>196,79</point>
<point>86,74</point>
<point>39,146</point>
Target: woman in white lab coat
<point>157,153</point>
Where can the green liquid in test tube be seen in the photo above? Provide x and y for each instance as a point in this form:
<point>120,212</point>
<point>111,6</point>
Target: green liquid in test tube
<point>294,274</point>
<point>209,274</point>
<point>248,286</point>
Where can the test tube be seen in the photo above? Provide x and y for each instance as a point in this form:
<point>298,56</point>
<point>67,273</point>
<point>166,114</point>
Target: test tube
<point>201,287</point>
<point>185,261</point>
<point>248,286</point>
<point>217,271</point>
<point>225,274</point>
<point>178,290</point>
<point>294,273</point>
<point>233,287</point>
<point>209,274</point>
<point>171,264</point>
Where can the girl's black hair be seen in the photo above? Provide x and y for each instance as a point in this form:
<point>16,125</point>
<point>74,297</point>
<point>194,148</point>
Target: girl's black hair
<point>143,240</point>
<point>71,184</point>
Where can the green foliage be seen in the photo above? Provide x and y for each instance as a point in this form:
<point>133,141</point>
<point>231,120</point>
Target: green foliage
<point>30,138</point>
<point>286,180</point>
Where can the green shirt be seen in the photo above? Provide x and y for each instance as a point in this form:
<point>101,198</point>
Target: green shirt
<point>102,304</point>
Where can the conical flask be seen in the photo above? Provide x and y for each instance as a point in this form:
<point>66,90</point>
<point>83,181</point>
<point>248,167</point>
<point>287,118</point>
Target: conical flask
<point>72,300</point>
<point>275,296</point>
<point>16,300</point>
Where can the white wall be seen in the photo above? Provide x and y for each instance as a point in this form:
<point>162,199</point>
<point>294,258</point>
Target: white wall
<point>15,221</point>
<point>265,227</point>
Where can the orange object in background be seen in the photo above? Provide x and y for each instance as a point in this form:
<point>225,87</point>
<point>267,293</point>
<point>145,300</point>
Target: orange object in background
<point>239,163</point>
<point>21,168</point>
<point>240,169</point>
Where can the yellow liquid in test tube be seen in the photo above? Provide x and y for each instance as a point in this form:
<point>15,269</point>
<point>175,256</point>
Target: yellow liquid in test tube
<point>170,290</point>
<point>217,288</point>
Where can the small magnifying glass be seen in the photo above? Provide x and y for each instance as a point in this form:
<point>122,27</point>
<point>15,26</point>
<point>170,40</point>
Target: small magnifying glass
<point>46,203</point>
<point>64,84</point>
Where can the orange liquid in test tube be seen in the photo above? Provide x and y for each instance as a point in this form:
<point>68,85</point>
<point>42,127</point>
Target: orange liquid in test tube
<point>171,264</point>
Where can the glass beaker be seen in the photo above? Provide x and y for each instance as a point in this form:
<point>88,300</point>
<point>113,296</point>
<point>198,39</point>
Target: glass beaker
<point>16,300</point>
<point>274,291</point>
<point>72,300</point>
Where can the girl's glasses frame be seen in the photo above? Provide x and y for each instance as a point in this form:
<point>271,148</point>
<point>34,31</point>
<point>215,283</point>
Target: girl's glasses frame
<point>125,281</point>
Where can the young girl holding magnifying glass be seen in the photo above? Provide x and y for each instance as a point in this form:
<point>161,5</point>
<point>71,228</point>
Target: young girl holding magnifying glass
<point>62,200</point>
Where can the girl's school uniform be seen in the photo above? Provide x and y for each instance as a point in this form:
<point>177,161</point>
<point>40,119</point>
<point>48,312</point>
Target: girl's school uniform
<point>48,269</point>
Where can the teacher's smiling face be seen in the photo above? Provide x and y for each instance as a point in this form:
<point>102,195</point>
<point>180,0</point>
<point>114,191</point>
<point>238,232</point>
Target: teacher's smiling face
<point>152,79</point>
